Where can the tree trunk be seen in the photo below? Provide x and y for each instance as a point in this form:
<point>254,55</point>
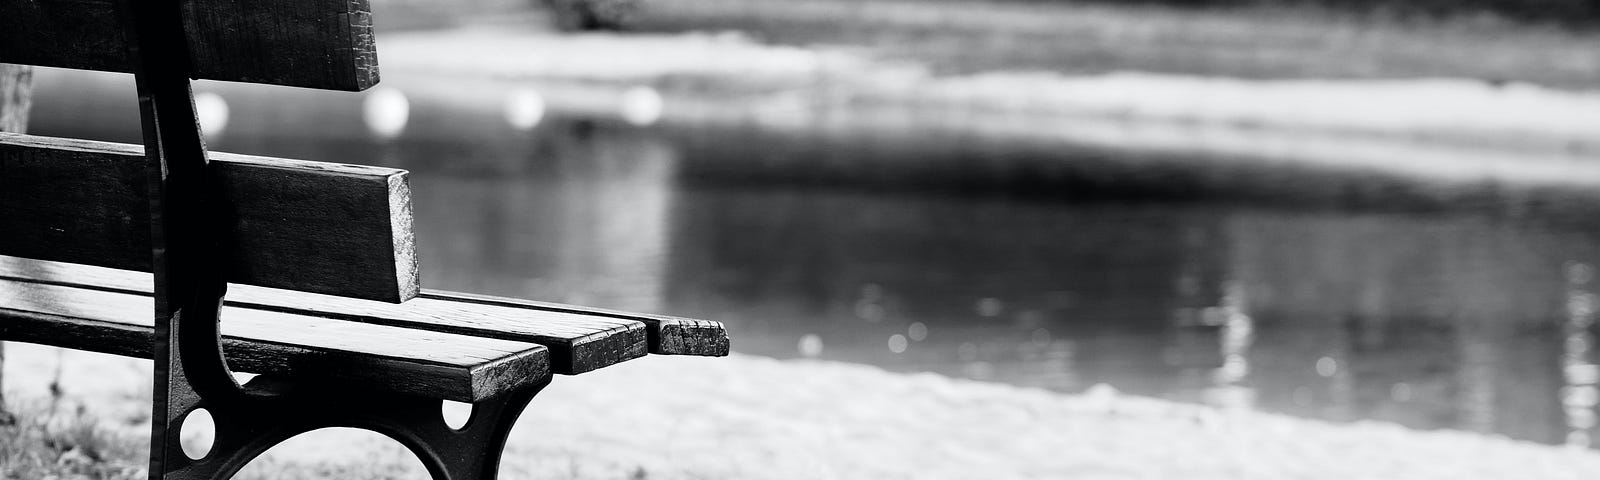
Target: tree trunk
<point>16,98</point>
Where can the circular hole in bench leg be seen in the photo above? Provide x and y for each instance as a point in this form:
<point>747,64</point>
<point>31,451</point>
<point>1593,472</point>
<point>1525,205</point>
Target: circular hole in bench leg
<point>337,453</point>
<point>456,414</point>
<point>197,433</point>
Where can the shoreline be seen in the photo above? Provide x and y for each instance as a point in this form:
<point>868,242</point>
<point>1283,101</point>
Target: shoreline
<point>774,83</point>
<point>1443,135</point>
<point>1242,41</point>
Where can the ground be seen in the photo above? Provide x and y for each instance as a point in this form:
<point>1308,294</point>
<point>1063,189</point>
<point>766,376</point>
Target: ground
<point>746,417</point>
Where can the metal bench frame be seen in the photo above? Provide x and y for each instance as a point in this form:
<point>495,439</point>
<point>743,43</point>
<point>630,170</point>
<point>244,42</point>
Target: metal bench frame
<point>190,371</point>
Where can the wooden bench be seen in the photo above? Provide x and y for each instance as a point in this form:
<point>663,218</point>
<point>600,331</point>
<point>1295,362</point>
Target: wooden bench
<point>302,272</point>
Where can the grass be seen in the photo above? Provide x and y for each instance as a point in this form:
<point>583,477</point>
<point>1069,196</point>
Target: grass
<point>963,36</point>
<point>297,471</point>
<point>41,444</point>
<point>44,444</point>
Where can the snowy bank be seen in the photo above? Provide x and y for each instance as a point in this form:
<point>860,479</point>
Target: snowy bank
<point>733,68</point>
<point>1463,109</point>
<point>754,418</point>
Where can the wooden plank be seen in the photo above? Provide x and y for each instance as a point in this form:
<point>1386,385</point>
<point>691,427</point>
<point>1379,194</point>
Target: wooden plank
<point>577,343</point>
<point>440,365</point>
<point>667,335</point>
<point>309,43</point>
<point>326,44</point>
<point>316,227</point>
<point>539,322</point>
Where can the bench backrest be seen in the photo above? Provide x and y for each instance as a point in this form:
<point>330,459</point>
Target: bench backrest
<point>308,226</point>
<point>325,44</point>
<point>325,228</point>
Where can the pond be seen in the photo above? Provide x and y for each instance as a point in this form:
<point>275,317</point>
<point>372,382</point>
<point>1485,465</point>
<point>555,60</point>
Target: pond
<point>1042,264</point>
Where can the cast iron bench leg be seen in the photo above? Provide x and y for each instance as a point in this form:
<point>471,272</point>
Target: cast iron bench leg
<point>247,429</point>
<point>191,372</point>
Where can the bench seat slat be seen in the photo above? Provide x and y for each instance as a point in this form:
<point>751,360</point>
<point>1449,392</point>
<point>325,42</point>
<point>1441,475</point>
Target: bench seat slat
<point>577,343</point>
<point>578,340</point>
<point>668,335</point>
<point>419,362</point>
<point>309,226</point>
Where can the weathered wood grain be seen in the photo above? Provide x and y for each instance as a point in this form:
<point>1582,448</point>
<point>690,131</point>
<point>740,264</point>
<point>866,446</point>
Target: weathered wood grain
<point>335,229</point>
<point>316,43</point>
<point>577,343</point>
<point>539,322</point>
<point>440,365</point>
<point>326,44</point>
<point>668,335</point>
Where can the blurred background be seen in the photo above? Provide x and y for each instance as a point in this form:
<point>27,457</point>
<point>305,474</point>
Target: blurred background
<point>1336,209</point>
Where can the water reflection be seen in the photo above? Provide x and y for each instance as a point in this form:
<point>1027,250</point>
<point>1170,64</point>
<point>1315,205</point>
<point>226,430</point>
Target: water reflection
<point>1230,385</point>
<point>642,106</point>
<point>525,109</point>
<point>212,112</point>
<point>582,216</point>
<point>385,111</point>
<point>1580,394</point>
<point>918,253</point>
